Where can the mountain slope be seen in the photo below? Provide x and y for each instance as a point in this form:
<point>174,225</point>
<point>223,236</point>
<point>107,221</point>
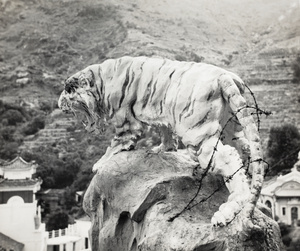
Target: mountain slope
<point>43,42</point>
<point>48,40</point>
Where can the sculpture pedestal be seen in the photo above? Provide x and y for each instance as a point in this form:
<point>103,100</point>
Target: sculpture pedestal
<point>132,197</point>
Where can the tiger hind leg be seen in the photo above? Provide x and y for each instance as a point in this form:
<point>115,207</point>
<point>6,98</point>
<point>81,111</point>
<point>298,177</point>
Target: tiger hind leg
<point>225,160</point>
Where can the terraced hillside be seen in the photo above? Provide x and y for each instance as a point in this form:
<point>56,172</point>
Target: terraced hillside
<point>42,42</point>
<point>53,133</point>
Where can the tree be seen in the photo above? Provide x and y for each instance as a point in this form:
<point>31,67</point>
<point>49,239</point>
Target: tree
<point>8,150</point>
<point>7,133</point>
<point>13,117</point>
<point>69,198</point>
<point>58,220</point>
<point>35,125</point>
<point>283,148</point>
<point>296,69</point>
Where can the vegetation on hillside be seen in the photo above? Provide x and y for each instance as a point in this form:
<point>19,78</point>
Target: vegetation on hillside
<point>283,148</point>
<point>42,42</point>
<point>16,123</point>
<point>58,220</point>
<point>296,69</point>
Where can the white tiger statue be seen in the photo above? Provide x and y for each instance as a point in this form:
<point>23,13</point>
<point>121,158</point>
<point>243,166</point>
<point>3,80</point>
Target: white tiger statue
<point>200,103</point>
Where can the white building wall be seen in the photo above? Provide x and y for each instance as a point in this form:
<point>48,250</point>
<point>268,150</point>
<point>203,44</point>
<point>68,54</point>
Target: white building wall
<point>264,199</point>
<point>17,174</point>
<point>83,228</point>
<point>17,222</point>
<point>282,208</point>
<point>293,203</point>
<point>281,205</point>
<point>72,238</point>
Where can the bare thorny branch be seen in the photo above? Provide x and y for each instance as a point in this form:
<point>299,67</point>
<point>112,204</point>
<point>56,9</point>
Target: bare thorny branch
<point>193,203</point>
<point>258,110</point>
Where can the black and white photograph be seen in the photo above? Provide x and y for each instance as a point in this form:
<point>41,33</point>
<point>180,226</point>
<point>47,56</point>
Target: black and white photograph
<point>149,125</point>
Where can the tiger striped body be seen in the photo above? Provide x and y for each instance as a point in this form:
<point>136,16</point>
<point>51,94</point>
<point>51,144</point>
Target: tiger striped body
<point>164,92</point>
<point>195,100</point>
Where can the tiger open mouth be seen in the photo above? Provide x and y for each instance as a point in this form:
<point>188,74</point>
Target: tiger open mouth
<point>89,119</point>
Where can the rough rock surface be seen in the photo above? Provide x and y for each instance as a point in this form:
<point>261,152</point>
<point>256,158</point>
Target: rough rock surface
<point>132,197</point>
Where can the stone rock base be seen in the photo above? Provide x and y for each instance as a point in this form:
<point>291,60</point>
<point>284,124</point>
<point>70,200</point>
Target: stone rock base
<point>132,198</point>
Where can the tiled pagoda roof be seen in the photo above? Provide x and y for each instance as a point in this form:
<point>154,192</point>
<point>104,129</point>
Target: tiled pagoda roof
<point>18,163</point>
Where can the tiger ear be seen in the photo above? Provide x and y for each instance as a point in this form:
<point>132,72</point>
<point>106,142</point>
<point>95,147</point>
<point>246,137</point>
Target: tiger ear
<point>91,77</point>
<point>86,79</point>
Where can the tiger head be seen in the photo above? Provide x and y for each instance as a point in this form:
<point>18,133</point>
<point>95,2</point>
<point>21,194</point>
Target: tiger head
<point>80,98</point>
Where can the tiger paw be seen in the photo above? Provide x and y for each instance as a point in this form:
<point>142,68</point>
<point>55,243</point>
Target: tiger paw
<point>164,148</point>
<point>226,214</point>
<point>158,149</point>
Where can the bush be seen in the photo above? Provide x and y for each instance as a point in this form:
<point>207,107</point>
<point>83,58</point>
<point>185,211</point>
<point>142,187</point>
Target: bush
<point>35,125</point>
<point>46,106</point>
<point>284,229</point>
<point>7,133</point>
<point>13,117</point>
<point>48,182</point>
<point>287,240</point>
<point>294,245</point>
<point>283,148</point>
<point>296,69</point>
<point>57,221</point>
<point>71,128</point>
<point>69,199</point>
<point>8,150</point>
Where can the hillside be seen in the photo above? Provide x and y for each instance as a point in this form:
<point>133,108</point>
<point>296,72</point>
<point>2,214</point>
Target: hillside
<point>44,41</point>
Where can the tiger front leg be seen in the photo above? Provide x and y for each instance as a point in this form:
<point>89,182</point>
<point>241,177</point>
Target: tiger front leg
<point>123,142</point>
<point>169,141</point>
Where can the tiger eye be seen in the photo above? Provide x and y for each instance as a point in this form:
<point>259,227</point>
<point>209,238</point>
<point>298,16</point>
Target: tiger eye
<point>68,88</point>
